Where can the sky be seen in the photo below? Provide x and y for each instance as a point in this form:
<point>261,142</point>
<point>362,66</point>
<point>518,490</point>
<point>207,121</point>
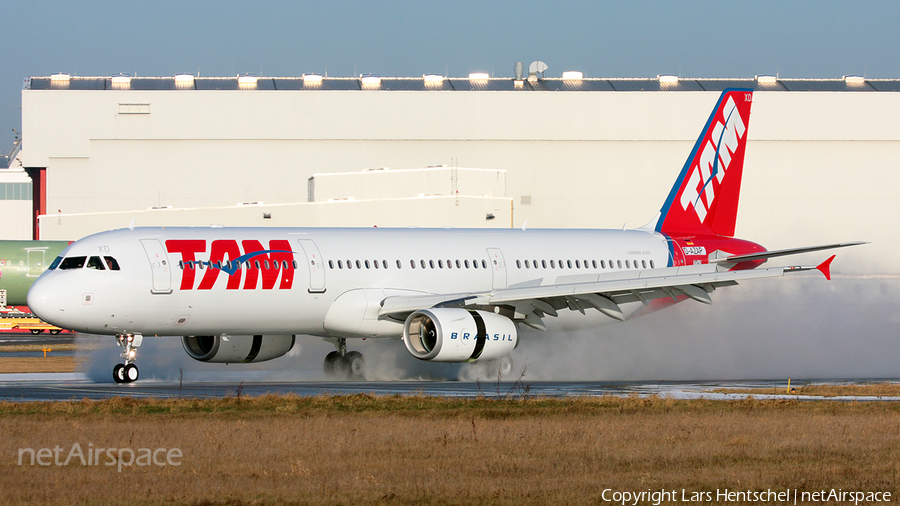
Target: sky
<point>799,39</point>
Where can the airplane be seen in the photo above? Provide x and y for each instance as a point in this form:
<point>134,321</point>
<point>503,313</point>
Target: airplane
<point>21,263</point>
<point>450,295</point>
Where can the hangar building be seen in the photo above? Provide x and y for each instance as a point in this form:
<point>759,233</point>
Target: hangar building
<point>822,163</point>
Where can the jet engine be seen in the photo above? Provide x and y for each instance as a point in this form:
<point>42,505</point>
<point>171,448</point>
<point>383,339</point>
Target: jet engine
<point>458,335</point>
<point>234,349</point>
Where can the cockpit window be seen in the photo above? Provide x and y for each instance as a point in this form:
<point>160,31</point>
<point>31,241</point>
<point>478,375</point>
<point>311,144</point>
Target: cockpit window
<point>95,263</point>
<point>111,263</point>
<point>72,263</point>
<point>55,263</point>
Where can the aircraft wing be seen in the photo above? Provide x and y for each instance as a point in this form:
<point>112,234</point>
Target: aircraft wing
<point>605,294</point>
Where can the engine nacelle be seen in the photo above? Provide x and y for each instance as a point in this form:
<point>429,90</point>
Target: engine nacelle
<point>458,335</point>
<point>235,349</point>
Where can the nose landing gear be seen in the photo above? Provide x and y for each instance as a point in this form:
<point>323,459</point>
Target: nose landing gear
<point>342,364</point>
<point>127,372</point>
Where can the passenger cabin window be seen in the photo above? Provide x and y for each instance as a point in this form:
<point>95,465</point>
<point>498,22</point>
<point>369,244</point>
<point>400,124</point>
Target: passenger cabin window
<point>72,263</point>
<point>95,263</point>
<point>398,264</point>
<point>483,264</point>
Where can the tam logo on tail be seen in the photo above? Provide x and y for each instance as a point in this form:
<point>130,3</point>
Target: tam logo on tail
<point>704,199</point>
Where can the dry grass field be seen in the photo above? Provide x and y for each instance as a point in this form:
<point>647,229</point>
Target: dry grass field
<point>870,389</point>
<point>50,363</point>
<point>421,450</point>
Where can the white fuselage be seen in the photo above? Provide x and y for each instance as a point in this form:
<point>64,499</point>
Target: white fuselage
<point>333,286</point>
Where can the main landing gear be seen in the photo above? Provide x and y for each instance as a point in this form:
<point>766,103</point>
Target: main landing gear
<point>127,372</point>
<point>343,364</point>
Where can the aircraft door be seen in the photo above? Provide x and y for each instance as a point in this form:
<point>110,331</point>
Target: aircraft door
<point>159,266</point>
<point>498,267</point>
<point>35,262</point>
<point>316,265</point>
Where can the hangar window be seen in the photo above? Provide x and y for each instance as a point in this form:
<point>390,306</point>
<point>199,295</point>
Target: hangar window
<point>72,263</point>
<point>95,263</point>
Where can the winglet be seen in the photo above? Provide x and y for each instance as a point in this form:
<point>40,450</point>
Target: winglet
<point>825,267</point>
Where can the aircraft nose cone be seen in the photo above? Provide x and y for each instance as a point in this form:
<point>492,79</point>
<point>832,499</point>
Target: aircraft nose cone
<point>43,301</point>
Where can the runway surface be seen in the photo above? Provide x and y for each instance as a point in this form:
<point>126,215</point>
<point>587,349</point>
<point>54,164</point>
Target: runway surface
<point>55,387</point>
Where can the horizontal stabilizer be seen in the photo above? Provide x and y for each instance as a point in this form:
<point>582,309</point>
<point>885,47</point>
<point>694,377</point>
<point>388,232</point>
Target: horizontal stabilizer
<point>783,252</point>
<point>825,267</point>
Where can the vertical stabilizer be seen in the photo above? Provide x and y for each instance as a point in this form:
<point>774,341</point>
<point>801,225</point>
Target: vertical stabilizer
<point>704,200</point>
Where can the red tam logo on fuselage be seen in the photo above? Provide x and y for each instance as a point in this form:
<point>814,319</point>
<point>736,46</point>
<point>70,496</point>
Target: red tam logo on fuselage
<point>225,256</point>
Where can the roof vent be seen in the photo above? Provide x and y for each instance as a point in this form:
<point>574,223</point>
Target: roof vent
<point>246,81</point>
<point>667,79</point>
<point>766,79</point>
<point>572,75</point>
<point>184,82</point>
<point>536,67</point>
<point>312,79</point>
<point>60,80</point>
<point>433,80</point>
<point>520,70</point>
<point>121,82</point>
<point>855,80</point>
<point>370,80</point>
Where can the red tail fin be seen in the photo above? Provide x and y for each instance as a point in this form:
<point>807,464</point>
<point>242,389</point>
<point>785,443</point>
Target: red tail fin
<point>705,197</point>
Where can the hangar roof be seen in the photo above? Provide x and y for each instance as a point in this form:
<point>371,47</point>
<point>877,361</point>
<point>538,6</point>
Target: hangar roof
<point>439,83</point>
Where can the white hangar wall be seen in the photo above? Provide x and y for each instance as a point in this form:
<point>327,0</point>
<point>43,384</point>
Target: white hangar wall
<point>820,166</point>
